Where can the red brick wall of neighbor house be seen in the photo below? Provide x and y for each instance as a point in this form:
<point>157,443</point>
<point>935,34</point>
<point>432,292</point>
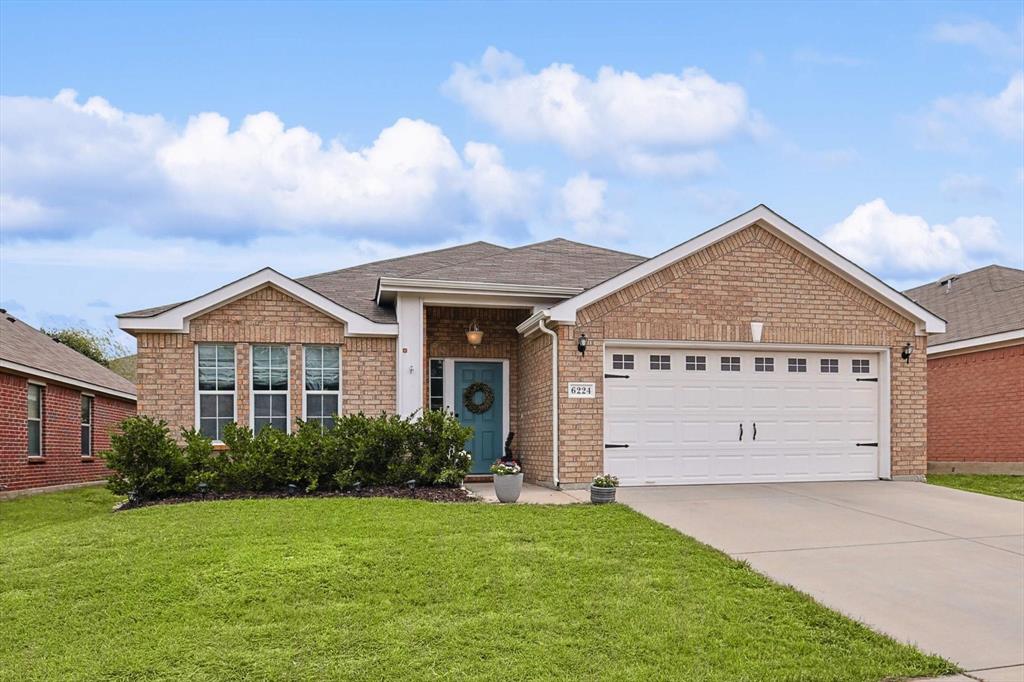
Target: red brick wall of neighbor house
<point>712,296</point>
<point>166,362</point>
<point>976,406</point>
<point>62,461</point>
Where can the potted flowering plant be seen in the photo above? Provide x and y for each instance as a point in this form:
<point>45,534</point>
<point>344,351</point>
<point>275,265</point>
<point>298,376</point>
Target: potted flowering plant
<point>508,479</point>
<point>602,489</point>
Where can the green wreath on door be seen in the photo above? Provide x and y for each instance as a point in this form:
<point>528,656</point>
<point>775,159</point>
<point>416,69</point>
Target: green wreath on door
<point>469,395</point>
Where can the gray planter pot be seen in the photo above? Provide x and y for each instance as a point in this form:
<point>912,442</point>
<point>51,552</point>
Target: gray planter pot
<point>602,495</point>
<point>507,488</point>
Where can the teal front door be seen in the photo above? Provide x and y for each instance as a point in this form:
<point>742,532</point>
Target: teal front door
<point>488,427</point>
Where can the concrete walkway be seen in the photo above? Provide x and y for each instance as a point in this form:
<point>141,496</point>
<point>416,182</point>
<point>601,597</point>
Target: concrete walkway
<point>940,568</point>
<point>532,494</point>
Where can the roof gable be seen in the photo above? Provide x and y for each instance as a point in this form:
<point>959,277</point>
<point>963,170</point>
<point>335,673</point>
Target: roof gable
<point>565,311</point>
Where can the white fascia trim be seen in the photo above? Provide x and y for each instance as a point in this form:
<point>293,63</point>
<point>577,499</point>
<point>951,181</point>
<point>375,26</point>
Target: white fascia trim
<point>393,285</point>
<point>59,378</point>
<point>1001,337</point>
<point>176,319</point>
<point>532,323</point>
<point>565,311</point>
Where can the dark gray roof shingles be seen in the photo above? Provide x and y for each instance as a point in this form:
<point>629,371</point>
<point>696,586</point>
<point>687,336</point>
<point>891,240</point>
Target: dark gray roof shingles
<point>25,345</point>
<point>981,302</point>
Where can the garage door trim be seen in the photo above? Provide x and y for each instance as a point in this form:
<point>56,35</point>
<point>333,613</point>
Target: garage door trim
<point>884,374</point>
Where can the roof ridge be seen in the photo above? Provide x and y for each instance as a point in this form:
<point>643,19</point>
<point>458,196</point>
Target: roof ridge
<point>398,258</point>
<point>589,246</point>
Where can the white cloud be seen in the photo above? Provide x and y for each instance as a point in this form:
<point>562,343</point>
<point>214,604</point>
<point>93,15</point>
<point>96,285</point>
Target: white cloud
<point>108,168</point>
<point>583,206</point>
<point>662,123</point>
<point>951,121</point>
<point>962,186</point>
<point>895,244</point>
<point>981,35</point>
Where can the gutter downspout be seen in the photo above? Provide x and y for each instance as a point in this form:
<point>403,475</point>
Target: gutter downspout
<point>554,400</point>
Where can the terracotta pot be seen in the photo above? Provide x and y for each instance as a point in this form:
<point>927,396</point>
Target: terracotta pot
<point>601,495</point>
<point>508,487</point>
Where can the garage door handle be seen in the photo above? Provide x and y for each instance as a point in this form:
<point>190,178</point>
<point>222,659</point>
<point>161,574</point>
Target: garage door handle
<point>741,430</point>
<point>867,445</point>
<point>616,376</point>
<point>755,432</point>
<point>616,445</point>
<point>867,379</point>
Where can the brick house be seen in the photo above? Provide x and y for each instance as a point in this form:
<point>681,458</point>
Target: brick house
<point>976,371</point>
<point>57,409</point>
<point>751,352</point>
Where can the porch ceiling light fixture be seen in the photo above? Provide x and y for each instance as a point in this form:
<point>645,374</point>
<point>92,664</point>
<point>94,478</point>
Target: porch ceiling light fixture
<point>908,350</point>
<point>581,344</point>
<point>474,335</point>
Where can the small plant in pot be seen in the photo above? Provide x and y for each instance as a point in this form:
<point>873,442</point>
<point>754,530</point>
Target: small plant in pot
<point>602,489</point>
<point>508,480</point>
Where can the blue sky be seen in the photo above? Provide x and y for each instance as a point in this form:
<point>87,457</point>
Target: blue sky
<point>152,151</point>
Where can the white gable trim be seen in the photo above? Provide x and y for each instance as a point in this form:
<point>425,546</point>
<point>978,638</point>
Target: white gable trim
<point>177,318</point>
<point>565,312</point>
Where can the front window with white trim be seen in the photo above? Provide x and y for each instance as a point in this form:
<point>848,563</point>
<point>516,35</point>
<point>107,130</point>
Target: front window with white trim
<point>436,384</point>
<point>215,379</point>
<point>35,420</point>
<point>322,384</point>
<point>270,388</point>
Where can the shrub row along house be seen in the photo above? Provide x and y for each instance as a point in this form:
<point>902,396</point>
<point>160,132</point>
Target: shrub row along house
<point>976,371</point>
<point>57,408</point>
<point>751,352</point>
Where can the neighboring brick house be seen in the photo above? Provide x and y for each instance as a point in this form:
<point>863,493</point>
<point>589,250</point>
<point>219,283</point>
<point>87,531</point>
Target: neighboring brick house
<point>751,352</point>
<point>976,371</point>
<point>57,409</point>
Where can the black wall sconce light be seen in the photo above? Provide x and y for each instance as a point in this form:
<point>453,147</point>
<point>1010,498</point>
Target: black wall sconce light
<point>908,350</point>
<point>581,344</point>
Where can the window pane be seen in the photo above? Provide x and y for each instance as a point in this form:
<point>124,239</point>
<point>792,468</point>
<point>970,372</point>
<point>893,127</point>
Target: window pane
<point>314,357</point>
<point>331,358</point>
<point>314,405</point>
<point>260,356</point>
<point>314,382</point>
<point>225,379</point>
<point>330,405</point>
<point>279,356</point>
<point>279,405</point>
<point>226,407</point>
<point>259,422</point>
<point>280,423</point>
<point>226,356</point>
<point>331,380</point>
<point>86,409</point>
<point>327,422</point>
<point>279,379</point>
<point>86,440</point>
<point>208,427</point>
<point>34,444</point>
<point>261,405</point>
<point>261,379</point>
<point>207,379</point>
<point>207,406</point>
<point>207,356</point>
<point>34,395</point>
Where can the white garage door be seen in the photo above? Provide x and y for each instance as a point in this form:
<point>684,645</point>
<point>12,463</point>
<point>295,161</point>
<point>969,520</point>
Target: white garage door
<point>727,416</point>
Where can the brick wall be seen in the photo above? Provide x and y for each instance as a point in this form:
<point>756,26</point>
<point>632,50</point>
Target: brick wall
<point>533,440</point>
<point>976,406</point>
<point>166,362</point>
<point>445,337</point>
<point>62,462</point>
<point>712,296</point>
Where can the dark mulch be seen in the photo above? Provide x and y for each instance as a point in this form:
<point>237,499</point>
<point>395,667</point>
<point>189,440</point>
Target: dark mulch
<point>430,494</point>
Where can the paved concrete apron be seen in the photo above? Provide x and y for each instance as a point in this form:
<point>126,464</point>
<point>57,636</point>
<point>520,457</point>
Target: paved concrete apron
<point>936,567</point>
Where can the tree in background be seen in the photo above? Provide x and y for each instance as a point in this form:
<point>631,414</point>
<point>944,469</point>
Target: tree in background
<point>102,347</point>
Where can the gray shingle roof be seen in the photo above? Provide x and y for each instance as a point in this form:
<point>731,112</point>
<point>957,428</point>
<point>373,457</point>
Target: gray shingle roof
<point>986,301</point>
<point>28,346</point>
<point>557,262</point>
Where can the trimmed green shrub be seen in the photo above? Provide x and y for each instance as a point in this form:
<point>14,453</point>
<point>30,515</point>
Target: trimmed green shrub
<point>146,461</point>
<point>384,450</point>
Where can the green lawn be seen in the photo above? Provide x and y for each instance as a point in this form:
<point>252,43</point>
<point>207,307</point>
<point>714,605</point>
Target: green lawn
<point>390,589</point>
<point>989,484</point>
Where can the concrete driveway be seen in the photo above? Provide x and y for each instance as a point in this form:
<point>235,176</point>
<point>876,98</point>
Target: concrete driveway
<point>940,568</point>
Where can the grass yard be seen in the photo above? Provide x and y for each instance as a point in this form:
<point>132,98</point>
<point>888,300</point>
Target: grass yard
<point>1000,485</point>
<point>339,588</point>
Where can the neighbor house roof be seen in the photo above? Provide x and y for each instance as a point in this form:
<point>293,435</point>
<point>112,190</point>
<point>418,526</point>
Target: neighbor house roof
<point>27,350</point>
<point>975,304</point>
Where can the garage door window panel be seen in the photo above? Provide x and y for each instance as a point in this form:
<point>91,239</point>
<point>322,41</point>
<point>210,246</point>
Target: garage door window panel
<point>764,364</point>
<point>830,366</point>
<point>622,361</point>
<point>860,366</point>
<point>798,365</point>
<point>730,363</point>
<point>696,363</point>
<point>661,362</point>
